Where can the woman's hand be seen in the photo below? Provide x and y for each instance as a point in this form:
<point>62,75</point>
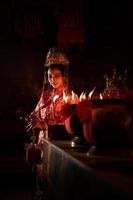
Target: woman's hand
<point>34,122</point>
<point>38,123</point>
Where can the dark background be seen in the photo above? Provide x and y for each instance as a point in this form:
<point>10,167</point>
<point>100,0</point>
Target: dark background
<point>29,28</point>
<point>96,35</point>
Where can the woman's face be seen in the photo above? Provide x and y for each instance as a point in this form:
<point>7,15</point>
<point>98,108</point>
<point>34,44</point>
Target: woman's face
<point>55,78</point>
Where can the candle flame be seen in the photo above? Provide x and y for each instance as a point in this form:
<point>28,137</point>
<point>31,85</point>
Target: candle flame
<point>55,97</point>
<point>81,96</point>
<point>73,95</point>
<point>90,94</point>
<point>84,96</point>
<point>101,97</point>
<point>65,98</point>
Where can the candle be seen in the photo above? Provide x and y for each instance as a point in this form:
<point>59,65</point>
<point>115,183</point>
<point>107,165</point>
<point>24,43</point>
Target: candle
<point>65,97</point>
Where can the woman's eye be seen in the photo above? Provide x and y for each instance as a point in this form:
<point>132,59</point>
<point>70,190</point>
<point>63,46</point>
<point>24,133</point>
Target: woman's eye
<point>56,76</point>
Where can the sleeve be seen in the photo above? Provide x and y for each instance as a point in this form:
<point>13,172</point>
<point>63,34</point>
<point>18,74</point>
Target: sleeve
<point>40,109</point>
<point>37,110</point>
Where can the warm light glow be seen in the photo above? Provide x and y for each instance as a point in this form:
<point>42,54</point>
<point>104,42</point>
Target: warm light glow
<point>55,97</point>
<point>73,95</point>
<point>90,94</point>
<point>84,96</point>
<point>81,96</point>
<point>65,97</point>
<point>101,97</point>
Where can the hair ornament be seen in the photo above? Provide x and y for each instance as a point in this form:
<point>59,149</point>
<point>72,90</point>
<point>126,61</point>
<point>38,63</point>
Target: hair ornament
<point>56,57</point>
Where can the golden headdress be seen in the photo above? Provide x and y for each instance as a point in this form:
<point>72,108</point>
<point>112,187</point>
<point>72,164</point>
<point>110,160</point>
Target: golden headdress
<point>54,56</point>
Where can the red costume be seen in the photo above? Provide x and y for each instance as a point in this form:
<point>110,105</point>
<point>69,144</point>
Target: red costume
<point>50,104</point>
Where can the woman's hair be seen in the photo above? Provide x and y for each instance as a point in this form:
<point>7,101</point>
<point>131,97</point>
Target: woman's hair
<point>59,67</point>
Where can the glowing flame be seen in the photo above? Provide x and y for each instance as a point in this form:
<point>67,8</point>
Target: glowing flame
<point>84,96</point>
<point>81,96</point>
<point>90,94</point>
<point>101,97</point>
<point>65,97</point>
<point>55,97</point>
<point>73,96</point>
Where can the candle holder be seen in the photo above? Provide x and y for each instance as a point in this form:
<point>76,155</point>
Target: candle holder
<point>104,123</point>
<point>75,128</point>
<point>111,123</point>
<point>106,102</point>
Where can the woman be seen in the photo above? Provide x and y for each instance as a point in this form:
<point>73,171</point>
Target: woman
<point>48,111</point>
<point>54,95</point>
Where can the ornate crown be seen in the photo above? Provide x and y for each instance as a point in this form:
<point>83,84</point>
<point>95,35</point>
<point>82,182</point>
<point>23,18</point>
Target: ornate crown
<point>55,57</point>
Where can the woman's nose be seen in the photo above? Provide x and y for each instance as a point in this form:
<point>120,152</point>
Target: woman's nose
<point>52,78</point>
